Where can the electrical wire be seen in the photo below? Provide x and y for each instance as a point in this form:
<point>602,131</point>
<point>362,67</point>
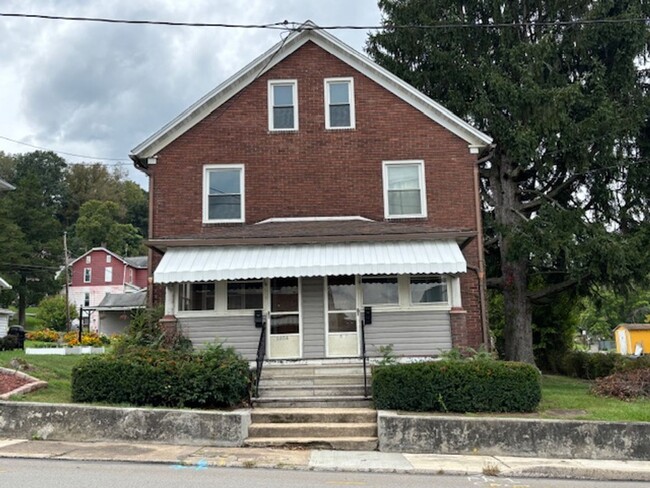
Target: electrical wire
<point>300,26</point>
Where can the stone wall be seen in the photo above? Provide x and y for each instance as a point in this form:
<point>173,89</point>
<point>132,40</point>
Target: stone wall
<point>65,422</point>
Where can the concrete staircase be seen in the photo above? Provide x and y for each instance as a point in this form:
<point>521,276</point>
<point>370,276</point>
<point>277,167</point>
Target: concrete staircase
<point>308,385</point>
<point>314,428</point>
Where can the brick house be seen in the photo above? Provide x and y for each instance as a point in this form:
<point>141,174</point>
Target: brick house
<point>309,186</point>
<point>100,272</point>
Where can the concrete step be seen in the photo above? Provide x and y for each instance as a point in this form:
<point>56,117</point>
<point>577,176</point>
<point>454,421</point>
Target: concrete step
<point>309,370</point>
<point>310,415</point>
<point>357,401</point>
<point>286,391</point>
<point>313,430</point>
<point>336,443</point>
<point>313,380</point>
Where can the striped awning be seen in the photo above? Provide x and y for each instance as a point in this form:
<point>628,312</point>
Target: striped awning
<point>195,264</point>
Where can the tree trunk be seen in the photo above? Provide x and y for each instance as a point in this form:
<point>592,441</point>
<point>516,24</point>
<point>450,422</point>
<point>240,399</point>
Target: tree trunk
<point>518,329</point>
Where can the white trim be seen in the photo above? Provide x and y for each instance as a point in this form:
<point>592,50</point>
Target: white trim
<point>294,94</point>
<point>240,80</point>
<point>103,249</point>
<point>274,220</point>
<point>428,305</point>
<point>6,186</point>
<point>423,188</point>
<point>90,275</point>
<point>108,274</point>
<point>242,189</point>
<point>350,82</point>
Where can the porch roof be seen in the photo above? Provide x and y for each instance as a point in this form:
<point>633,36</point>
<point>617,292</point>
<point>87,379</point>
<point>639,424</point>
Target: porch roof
<point>195,264</point>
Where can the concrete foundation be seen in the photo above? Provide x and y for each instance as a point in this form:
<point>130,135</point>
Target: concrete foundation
<point>65,422</point>
<point>440,434</point>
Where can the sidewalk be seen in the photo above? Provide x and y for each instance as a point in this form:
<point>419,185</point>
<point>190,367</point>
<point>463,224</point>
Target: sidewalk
<point>353,461</point>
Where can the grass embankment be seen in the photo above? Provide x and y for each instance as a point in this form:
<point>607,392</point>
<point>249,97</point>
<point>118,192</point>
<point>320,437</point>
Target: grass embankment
<point>56,370</point>
<point>562,397</point>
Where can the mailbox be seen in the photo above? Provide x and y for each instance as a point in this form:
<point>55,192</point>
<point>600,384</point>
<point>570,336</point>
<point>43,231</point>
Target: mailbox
<point>259,319</point>
<point>367,315</point>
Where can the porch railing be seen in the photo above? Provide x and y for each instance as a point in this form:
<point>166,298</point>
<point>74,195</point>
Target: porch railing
<point>365,359</point>
<point>261,352</point>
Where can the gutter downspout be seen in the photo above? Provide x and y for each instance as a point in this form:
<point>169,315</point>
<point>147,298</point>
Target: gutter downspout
<point>480,271</point>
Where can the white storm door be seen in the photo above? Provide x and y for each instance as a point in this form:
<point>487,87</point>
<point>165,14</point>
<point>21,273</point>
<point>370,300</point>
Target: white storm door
<point>284,319</point>
<point>342,317</point>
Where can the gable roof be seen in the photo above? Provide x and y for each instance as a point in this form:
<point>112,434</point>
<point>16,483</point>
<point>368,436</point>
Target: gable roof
<point>134,262</point>
<point>6,186</point>
<point>240,80</point>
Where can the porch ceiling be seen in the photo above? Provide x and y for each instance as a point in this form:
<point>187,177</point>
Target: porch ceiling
<point>192,264</point>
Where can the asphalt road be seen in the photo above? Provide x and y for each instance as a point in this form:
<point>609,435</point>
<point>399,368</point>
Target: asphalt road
<point>32,473</point>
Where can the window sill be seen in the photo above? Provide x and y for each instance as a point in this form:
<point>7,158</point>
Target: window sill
<point>283,131</point>
<point>335,129</point>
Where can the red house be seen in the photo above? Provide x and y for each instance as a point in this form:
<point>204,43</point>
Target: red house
<point>99,272</point>
<point>328,195</point>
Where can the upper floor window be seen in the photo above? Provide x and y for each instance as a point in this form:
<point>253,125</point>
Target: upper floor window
<point>283,105</point>
<point>339,103</point>
<point>404,189</point>
<point>223,193</point>
<point>87,275</point>
<point>108,274</point>
<point>108,258</point>
<point>88,259</point>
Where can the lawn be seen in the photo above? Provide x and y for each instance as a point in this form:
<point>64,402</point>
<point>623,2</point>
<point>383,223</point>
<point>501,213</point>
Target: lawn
<point>31,322</point>
<point>56,370</point>
<point>562,397</point>
<point>560,393</point>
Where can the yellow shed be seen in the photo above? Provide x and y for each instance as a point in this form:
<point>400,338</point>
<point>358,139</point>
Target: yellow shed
<point>629,336</point>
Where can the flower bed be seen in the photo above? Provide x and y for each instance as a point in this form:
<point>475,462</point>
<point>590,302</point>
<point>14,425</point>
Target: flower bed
<point>15,382</point>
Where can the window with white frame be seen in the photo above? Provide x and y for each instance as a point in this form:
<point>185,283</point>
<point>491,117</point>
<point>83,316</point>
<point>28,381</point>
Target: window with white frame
<point>88,259</point>
<point>283,105</point>
<point>87,275</point>
<point>428,289</point>
<point>380,290</point>
<point>196,296</point>
<point>245,295</point>
<point>108,274</point>
<point>404,189</point>
<point>86,299</point>
<point>339,103</point>
<point>223,193</point>
<point>108,258</point>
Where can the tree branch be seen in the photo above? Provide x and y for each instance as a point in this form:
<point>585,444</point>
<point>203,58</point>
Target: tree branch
<point>494,283</point>
<point>536,296</point>
<point>550,196</point>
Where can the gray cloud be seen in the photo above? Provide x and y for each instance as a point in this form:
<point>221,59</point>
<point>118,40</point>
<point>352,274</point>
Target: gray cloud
<point>101,89</point>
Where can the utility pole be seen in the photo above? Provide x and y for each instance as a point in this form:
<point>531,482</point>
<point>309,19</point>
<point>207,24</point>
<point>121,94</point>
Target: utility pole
<point>67,283</point>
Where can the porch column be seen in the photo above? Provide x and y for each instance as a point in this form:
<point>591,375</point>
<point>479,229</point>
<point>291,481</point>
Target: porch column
<point>169,323</point>
<point>454,295</point>
<point>457,316</point>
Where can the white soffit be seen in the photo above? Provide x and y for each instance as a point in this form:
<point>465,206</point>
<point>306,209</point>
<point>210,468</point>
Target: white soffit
<point>4,285</point>
<point>240,80</point>
<point>196,264</point>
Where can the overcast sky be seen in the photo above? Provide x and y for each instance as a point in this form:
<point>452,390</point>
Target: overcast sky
<point>101,89</point>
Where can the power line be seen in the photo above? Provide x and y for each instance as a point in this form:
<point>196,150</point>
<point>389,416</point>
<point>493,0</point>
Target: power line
<point>300,26</point>
<point>117,162</point>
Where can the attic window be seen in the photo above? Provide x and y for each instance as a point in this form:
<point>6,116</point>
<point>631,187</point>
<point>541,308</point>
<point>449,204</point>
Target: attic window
<point>283,105</point>
<point>339,103</point>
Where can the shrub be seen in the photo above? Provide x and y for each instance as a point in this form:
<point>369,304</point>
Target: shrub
<point>9,343</point>
<point>215,377</point>
<point>51,311</point>
<point>43,335</point>
<point>590,366</point>
<point>480,385</point>
<point>625,385</point>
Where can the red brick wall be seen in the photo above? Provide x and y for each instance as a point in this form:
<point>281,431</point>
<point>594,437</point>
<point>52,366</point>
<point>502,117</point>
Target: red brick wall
<point>314,171</point>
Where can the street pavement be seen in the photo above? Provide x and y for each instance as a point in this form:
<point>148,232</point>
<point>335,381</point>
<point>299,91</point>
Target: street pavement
<point>200,457</point>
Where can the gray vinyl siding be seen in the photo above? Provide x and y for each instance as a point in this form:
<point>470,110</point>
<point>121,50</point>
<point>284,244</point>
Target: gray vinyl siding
<point>238,332</point>
<point>421,333</point>
<point>313,318</point>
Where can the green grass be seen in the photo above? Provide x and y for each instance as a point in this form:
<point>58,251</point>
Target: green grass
<point>562,393</point>
<point>56,370</point>
<point>31,322</point>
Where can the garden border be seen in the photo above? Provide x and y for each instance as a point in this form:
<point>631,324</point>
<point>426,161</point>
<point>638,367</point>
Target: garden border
<point>34,383</point>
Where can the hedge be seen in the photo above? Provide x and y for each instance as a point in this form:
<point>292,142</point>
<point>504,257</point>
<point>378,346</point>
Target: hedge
<point>216,377</point>
<point>589,366</point>
<point>457,386</point>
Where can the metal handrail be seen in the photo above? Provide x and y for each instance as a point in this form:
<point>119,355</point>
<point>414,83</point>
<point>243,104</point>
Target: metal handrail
<point>261,352</point>
<point>365,359</point>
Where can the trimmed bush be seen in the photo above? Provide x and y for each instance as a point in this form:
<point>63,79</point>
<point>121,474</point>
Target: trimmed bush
<point>481,385</point>
<point>216,377</point>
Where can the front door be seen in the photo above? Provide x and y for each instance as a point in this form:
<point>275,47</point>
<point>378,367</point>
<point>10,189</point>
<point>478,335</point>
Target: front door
<point>284,319</point>
<point>342,317</point>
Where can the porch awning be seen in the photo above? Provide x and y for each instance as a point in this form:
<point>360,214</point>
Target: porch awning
<point>192,264</point>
